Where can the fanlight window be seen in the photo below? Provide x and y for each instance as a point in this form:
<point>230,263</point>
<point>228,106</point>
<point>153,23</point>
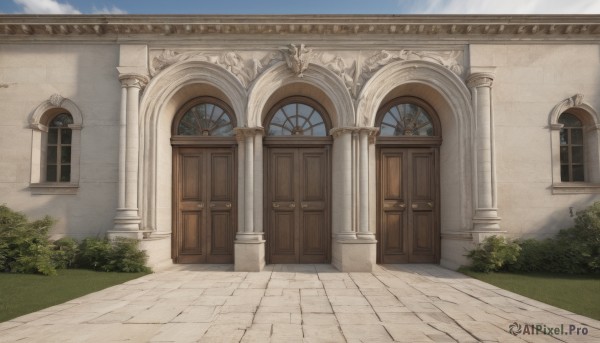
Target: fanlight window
<point>406,120</point>
<point>205,119</point>
<point>297,119</point>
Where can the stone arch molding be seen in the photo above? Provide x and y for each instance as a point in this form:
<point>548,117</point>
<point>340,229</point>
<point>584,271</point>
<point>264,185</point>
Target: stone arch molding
<point>55,102</point>
<point>395,74</point>
<point>575,101</point>
<point>280,75</point>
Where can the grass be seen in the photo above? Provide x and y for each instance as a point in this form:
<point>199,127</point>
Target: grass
<point>25,293</point>
<point>576,293</point>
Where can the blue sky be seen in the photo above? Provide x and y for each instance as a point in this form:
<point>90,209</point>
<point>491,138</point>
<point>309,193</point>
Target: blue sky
<point>300,6</point>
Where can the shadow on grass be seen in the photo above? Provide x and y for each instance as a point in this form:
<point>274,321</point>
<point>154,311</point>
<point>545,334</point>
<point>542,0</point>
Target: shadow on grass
<point>21,294</point>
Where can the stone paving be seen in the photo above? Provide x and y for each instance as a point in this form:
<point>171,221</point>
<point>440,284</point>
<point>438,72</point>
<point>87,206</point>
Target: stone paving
<point>298,303</point>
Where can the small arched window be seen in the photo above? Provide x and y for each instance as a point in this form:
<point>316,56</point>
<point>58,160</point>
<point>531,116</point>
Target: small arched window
<point>572,154</point>
<point>406,119</point>
<point>296,117</point>
<point>206,119</point>
<point>58,149</point>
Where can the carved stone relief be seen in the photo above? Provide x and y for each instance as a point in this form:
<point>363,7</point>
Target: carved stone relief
<point>353,68</point>
<point>244,65</point>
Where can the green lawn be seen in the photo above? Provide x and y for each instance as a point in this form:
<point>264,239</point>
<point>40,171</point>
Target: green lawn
<point>575,293</point>
<point>25,293</point>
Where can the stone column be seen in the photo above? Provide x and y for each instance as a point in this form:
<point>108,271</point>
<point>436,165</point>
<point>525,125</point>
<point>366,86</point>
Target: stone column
<point>364,231</point>
<point>127,220</point>
<point>249,242</point>
<point>350,254</point>
<point>342,184</point>
<point>486,213</point>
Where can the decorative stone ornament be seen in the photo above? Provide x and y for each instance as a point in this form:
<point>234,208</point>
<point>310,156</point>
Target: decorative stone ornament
<point>297,58</point>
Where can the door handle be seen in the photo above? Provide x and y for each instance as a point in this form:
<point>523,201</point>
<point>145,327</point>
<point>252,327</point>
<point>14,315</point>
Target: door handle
<point>201,205</point>
<point>414,206</point>
<point>292,205</point>
<point>275,205</point>
<point>430,204</point>
<point>401,205</point>
<point>228,205</point>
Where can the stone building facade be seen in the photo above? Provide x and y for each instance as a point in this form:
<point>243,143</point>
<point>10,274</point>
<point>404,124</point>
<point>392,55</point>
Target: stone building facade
<point>350,140</point>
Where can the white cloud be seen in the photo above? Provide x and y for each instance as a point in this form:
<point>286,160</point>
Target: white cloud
<point>502,6</point>
<point>46,7</point>
<point>105,10</point>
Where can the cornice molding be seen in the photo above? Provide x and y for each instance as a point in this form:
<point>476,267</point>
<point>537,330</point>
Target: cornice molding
<point>455,27</point>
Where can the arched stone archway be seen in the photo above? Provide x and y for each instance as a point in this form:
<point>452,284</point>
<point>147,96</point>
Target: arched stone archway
<point>159,103</point>
<point>447,93</point>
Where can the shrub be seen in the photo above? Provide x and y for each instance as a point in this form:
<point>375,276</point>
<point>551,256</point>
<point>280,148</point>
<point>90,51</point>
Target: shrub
<point>120,255</point>
<point>494,254</point>
<point>24,245</point>
<point>533,256</point>
<point>65,253</point>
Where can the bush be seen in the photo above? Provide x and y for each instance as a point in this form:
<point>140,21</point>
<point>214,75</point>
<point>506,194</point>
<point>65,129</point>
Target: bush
<point>65,253</point>
<point>494,254</point>
<point>572,251</point>
<point>120,255</point>
<point>24,245</point>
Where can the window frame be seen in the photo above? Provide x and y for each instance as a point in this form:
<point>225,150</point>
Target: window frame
<point>298,139</point>
<point>200,139</point>
<point>591,147</point>
<point>39,123</point>
<point>406,140</point>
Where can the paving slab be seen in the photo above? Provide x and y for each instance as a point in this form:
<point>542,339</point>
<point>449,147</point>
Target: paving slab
<point>299,303</point>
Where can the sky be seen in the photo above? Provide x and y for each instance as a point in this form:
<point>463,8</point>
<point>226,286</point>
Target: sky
<point>300,7</point>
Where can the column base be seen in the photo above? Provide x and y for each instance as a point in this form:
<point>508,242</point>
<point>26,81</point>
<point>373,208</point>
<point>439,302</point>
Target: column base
<point>249,256</point>
<point>248,236</point>
<point>366,236</point>
<point>127,219</point>
<point>358,255</point>
<point>486,219</point>
<point>480,236</point>
<point>112,234</point>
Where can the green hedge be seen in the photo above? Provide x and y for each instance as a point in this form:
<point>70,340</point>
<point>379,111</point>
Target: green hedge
<point>26,248</point>
<point>572,251</point>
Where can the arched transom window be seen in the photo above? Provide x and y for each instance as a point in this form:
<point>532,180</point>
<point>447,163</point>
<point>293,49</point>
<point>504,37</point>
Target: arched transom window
<point>206,119</point>
<point>571,148</point>
<point>406,119</point>
<point>297,119</point>
<point>58,149</point>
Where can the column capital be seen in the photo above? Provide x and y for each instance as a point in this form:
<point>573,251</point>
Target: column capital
<point>338,131</point>
<point>243,132</point>
<point>133,80</point>
<point>481,79</point>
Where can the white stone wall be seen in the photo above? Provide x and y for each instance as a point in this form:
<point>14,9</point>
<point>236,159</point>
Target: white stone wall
<point>531,79</point>
<point>87,75</point>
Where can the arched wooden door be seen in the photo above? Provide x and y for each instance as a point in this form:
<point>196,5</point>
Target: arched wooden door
<point>297,181</point>
<point>408,206</point>
<point>204,183</point>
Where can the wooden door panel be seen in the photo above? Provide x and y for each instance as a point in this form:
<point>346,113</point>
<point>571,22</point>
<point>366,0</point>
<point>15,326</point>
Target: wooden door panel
<point>313,186</point>
<point>283,237</point>
<point>283,176</point>
<point>191,167</point>
<point>192,243</point>
<point>392,173</point>
<point>423,242</point>
<point>314,239</point>
<point>221,179</point>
